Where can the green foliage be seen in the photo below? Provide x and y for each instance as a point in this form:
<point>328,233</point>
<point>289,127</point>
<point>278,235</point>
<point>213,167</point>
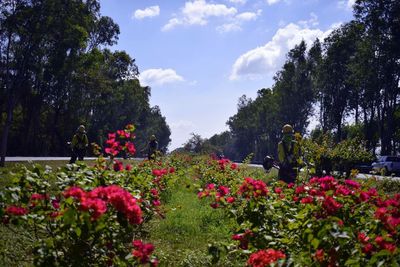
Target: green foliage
<point>323,154</point>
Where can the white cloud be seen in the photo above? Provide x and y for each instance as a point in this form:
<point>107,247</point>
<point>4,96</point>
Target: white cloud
<point>245,16</point>
<point>312,22</point>
<point>237,21</point>
<point>271,2</point>
<point>154,77</point>
<point>148,12</point>
<point>266,60</point>
<point>242,2</point>
<point>346,4</point>
<point>197,13</point>
<point>229,27</point>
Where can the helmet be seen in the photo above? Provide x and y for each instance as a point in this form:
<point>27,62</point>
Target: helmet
<point>81,129</point>
<point>153,137</point>
<point>287,129</point>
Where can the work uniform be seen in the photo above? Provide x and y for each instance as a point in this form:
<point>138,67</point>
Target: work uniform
<point>288,155</point>
<point>152,148</point>
<point>78,145</point>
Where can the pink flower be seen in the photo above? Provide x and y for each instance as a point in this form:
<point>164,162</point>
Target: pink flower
<point>156,202</point>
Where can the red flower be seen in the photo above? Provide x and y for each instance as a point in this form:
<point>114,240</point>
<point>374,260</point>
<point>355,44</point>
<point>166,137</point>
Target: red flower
<point>210,186</point>
<point>368,248</point>
<point>160,172</point>
<point>300,189</point>
<point>130,147</point>
<point>111,136</point>
<point>363,238</point>
<point>234,166</point>
<point>230,199</point>
<point>307,200</point>
<point>331,205</point>
<point>39,197</point>
<point>263,258</point>
<point>128,167</point>
<point>17,211</point>
<point>352,183</point>
<point>156,202</point>
<point>75,192</point>
<point>214,205</point>
<point>364,196</point>
<point>278,190</point>
<point>223,190</point>
<point>118,166</point>
<point>171,170</point>
<point>253,188</point>
<point>319,255</point>
<point>55,203</point>
<point>142,251</point>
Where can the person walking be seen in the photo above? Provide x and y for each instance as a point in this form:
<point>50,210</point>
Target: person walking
<point>79,144</point>
<point>288,155</point>
<point>152,148</point>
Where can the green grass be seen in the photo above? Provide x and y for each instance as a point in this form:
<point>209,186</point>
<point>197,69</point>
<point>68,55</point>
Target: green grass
<point>182,238</point>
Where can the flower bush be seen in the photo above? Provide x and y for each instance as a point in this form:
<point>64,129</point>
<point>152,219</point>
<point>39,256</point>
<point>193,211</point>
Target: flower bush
<point>81,216</point>
<point>324,221</point>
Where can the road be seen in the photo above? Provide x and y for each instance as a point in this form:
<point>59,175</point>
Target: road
<point>359,176</point>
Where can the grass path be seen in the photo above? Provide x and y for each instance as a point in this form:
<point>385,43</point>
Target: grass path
<point>182,238</point>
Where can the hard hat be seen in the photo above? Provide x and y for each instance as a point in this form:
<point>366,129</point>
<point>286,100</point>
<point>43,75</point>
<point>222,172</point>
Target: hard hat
<point>152,137</point>
<point>81,129</point>
<point>287,128</point>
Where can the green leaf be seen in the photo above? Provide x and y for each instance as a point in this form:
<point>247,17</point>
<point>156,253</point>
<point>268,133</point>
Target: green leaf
<point>315,243</point>
<point>78,231</point>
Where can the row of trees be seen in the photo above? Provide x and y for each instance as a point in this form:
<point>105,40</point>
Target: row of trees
<point>352,74</point>
<point>56,73</point>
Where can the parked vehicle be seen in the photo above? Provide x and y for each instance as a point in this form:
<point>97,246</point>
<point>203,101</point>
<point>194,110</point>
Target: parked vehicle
<point>387,165</point>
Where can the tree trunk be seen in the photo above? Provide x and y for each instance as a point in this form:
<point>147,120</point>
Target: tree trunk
<point>6,130</point>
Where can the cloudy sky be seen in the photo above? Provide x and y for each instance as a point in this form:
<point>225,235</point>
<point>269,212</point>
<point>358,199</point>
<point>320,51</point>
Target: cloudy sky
<point>200,56</point>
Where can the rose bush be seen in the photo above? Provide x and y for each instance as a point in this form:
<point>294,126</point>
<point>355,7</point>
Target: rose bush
<point>324,221</point>
<point>81,216</point>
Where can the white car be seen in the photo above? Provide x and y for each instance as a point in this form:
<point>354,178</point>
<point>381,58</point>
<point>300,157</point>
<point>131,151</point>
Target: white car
<point>387,165</point>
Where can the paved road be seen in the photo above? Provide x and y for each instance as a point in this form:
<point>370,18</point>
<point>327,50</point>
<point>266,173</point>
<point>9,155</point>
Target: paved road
<point>359,176</point>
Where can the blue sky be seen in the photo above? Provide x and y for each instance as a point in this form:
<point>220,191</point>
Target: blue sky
<point>200,56</point>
